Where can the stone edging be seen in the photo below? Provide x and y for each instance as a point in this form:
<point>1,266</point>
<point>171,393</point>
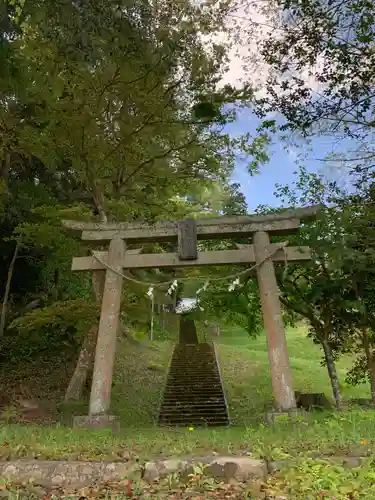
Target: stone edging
<point>77,474</point>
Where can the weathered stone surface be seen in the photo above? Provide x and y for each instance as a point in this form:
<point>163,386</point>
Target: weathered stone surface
<point>281,372</point>
<point>361,402</point>
<point>101,387</point>
<point>310,401</point>
<point>276,465</point>
<point>153,471</point>
<point>239,468</point>
<point>272,416</point>
<point>97,422</point>
<point>69,474</point>
<point>348,462</point>
<point>345,461</point>
<point>56,474</point>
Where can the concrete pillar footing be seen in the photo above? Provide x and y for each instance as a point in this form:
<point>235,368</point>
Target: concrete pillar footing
<point>292,414</point>
<point>97,422</point>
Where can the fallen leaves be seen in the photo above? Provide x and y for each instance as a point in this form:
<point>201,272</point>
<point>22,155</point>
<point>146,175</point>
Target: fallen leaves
<point>138,490</point>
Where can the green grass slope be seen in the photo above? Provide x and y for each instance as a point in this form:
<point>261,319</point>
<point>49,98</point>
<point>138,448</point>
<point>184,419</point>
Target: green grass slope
<point>139,379</point>
<point>246,374</point>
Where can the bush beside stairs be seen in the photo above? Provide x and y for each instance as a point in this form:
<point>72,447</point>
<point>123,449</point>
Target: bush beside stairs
<point>194,394</point>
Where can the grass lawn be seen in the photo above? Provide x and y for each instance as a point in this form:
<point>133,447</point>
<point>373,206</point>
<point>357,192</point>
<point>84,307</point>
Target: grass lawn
<point>345,433</point>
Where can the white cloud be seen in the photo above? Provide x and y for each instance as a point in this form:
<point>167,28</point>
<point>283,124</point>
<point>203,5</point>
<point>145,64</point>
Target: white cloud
<point>249,24</point>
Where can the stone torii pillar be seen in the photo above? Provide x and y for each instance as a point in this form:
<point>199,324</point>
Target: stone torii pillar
<point>100,398</point>
<point>281,372</point>
<point>101,388</point>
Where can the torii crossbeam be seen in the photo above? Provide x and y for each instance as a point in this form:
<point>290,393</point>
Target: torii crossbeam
<point>261,254</point>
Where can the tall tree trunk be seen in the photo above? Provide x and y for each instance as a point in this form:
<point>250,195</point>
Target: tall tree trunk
<point>55,288</point>
<point>370,359</point>
<point>372,376</point>
<point>7,290</point>
<point>331,367</point>
<point>85,362</point>
<point>5,166</point>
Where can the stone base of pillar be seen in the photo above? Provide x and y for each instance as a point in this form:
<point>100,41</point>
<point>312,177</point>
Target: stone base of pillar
<point>97,422</point>
<point>293,414</point>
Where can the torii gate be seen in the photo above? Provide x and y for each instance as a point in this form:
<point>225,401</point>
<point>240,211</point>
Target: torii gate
<point>261,253</point>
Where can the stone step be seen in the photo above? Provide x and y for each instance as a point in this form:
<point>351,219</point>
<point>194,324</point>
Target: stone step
<point>194,358</point>
<point>189,355</point>
<point>193,399</point>
<point>210,392</point>
<point>197,416</point>
<point>193,394</point>
<point>194,367</point>
<point>196,379</point>
<point>192,391</point>
<point>194,382</point>
<point>193,418</point>
<point>185,386</point>
<point>201,346</point>
<point>213,396</point>
<point>200,357</point>
<point>208,417</point>
<point>210,410</point>
<point>196,398</point>
<point>182,406</point>
<point>194,375</point>
<point>222,422</point>
<point>193,404</point>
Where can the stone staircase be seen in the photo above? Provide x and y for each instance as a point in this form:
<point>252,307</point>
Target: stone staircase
<point>194,393</point>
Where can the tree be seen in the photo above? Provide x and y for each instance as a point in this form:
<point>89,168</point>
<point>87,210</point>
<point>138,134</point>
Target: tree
<point>322,75</point>
<point>358,262</point>
<point>125,96</point>
<point>335,292</point>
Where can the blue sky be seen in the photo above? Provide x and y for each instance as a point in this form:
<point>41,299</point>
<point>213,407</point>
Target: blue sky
<point>259,189</point>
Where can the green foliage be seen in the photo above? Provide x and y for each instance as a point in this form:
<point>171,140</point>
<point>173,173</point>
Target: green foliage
<point>240,307</point>
<point>115,98</point>
<point>49,328</point>
<point>62,316</point>
<point>333,43</point>
<point>311,478</point>
<point>334,292</point>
